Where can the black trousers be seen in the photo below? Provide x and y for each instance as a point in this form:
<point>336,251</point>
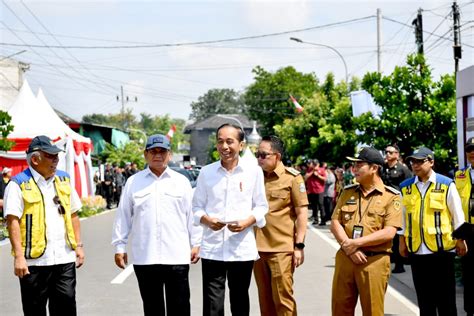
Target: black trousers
<point>175,281</point>
<point>433,277</point>
<point>214,274</point>
<point>316,201</point>
<point>328,207</point>
<point>467,263</point>
<point>54,283</point>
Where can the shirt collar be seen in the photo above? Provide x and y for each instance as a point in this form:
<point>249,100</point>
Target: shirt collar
<point>379,186</point>
<point>38,177</point>
<point>279,170</point>
<point>165,173</point>
<point>240,165</point>
<point>431,179</point>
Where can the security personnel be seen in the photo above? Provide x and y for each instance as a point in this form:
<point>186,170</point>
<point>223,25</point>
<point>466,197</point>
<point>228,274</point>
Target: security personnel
<point>41,209</point>
<point>464,180</point>
<point>365,220</point>
<point>432,210</point>
<point>281,242</point>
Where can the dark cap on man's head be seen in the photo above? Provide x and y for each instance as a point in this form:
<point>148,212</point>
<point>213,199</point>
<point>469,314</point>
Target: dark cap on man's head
<point>43,143</point>
<point>422,153</point>
<point>368,154</point>
<point>158,140</point>
<point>470,143</point>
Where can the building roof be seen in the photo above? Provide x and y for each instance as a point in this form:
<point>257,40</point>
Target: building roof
<point>213,122</point>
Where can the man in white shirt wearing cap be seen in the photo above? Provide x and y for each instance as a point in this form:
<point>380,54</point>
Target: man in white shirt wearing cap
<point>155,208</point>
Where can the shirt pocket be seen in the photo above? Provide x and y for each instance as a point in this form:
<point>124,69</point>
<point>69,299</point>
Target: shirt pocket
<point>375,217</point>
<point>278,199</point>
<point>348,213</point>
<point>437,201</point>
<point>172,200</point>
<point>143,201</point>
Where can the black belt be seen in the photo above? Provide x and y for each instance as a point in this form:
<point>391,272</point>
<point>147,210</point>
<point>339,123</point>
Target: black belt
<point>375,253</point>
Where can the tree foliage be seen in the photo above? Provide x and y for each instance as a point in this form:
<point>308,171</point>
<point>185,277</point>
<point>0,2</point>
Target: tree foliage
<point>130,152</point>
<point>217,101</point>
<point>416,111</point>
<point>5,129</point>
<point>324,130</point>
<point>267,99</point>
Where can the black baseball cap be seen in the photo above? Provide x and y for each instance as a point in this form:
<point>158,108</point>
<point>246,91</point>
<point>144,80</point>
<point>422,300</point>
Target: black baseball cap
<point>368,154</point>
<point>469,143</point>
<point>422,153</point>
<point>158,140</point>
<point>43,143</point>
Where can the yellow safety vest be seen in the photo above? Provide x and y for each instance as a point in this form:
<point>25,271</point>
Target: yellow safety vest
<point>427,218</point>
<point>463,181</point>
<point>32,222</point>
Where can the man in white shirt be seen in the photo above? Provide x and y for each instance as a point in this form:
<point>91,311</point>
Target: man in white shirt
<point>155,210</point>
<point>229,200</point>
<point>431,211</point>
<point>41,210</point>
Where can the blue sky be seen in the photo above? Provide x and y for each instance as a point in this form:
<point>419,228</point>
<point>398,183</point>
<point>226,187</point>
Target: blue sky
<point>167,79</point>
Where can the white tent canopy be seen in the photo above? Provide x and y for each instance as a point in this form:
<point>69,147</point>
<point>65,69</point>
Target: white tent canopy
<point>33,116</point>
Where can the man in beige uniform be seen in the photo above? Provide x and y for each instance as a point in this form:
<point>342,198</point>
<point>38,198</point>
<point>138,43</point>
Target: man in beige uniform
<point>280,243</point>
<point>366,217</point>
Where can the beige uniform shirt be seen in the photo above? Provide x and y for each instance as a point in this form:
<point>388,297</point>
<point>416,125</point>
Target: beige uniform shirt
<point>285,190</point>
<point>380,208</point>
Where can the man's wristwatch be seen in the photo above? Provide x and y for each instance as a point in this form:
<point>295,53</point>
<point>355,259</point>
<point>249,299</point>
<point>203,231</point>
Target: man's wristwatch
<point>299,245</point>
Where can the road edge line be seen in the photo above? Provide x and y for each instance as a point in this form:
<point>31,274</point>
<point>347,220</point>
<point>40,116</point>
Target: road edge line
<point>399,296</point>
<point>122,276</point>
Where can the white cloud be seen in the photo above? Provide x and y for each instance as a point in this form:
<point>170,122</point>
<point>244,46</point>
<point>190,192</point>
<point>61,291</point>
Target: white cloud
<point>277,15</point>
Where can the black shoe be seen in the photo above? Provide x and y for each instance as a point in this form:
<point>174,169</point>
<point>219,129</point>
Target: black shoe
<point>322,224</point>
<point>398,270</point>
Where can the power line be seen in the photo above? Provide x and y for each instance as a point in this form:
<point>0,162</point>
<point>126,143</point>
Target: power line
<point>194,43</point>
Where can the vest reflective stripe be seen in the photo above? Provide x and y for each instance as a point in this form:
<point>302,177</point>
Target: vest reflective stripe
<point>463,181</point>
<point>32,222</point>
<point>427,218</point>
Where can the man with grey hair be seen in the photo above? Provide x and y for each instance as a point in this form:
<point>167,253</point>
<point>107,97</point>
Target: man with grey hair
<point>41,209</point>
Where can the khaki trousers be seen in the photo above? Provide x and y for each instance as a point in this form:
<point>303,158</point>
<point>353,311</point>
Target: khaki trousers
<point>369,280</point>
<point>274,278</point>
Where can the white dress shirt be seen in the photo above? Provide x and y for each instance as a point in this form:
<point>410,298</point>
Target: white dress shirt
<point>156,213</point>
<point>57,251</point>
<point>230,196</point>
<point>453,202</point>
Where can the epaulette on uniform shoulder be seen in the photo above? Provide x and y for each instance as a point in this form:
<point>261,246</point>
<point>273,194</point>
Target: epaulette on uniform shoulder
<point>292,170</point>
<point>351,186</point>
<point>393,190</point>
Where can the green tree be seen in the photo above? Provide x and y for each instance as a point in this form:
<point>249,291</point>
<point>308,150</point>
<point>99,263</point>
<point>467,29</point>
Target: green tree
<point>5,129</point>
<point>217,101</point>
<point>120,120</point>
<point>130,152</point>
<point>267,100</point>
<point>161,125</point>
<point>416,111</point>
<point>324,130</point>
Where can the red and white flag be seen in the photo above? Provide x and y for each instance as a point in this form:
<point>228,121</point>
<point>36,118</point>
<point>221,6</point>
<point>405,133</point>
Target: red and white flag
<point>171,131</point>
<point>298,107</point>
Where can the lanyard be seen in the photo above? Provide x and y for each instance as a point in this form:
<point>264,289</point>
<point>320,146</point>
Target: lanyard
<point>361,215</point>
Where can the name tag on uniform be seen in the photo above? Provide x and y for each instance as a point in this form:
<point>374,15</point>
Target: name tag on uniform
<point>357,232</point>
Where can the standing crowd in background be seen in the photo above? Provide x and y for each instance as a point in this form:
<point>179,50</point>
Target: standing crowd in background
<point>247,219</point>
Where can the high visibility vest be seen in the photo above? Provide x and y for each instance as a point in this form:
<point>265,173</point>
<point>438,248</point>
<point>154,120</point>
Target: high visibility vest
<point>32,222</point>
<point>427,218</point>
<point>463,181</point>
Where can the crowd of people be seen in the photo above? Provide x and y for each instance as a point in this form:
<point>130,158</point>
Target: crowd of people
<point>244,218</point>
<point>111,183</point>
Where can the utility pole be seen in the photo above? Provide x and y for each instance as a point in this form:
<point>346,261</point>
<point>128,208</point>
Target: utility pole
<point>379,40</point>
<point>457,37</point>
<point>418,24</point>
<point>124,101</point>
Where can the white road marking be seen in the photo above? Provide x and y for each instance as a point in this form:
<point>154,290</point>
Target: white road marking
<point>402,299</point>
<point>122,276</point>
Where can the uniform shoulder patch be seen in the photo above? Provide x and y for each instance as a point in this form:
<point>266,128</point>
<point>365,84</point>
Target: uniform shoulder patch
<point>292,170</point>
<point>393,190</point>
<point>350,186</point>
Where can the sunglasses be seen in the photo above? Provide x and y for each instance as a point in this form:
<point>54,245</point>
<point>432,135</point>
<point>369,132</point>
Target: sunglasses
<point>61,209</point>
<point>263,155</point>
<point>418,161</point>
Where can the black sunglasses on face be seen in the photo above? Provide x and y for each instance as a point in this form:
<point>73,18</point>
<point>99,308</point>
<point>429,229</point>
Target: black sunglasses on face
<point>263,155</point>
<point>61,209</point>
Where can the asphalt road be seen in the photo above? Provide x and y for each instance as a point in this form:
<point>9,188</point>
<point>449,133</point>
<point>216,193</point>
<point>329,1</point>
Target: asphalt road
<point>96,295</point>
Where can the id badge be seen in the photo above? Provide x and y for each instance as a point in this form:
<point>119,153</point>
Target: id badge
<point>357,232</point>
